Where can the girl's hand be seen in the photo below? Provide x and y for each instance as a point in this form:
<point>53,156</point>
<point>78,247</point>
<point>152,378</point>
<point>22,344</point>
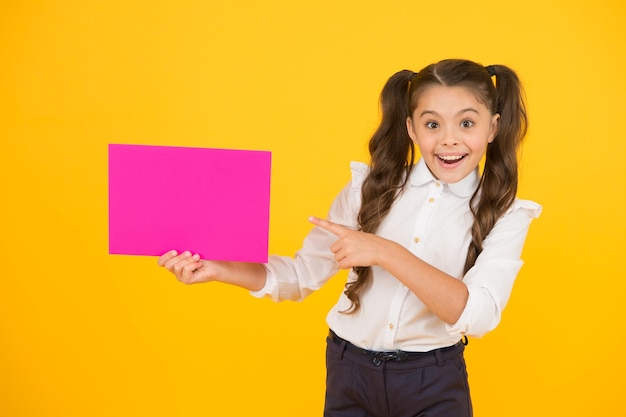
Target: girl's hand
<point>188,268</point>
<point>354,248</point>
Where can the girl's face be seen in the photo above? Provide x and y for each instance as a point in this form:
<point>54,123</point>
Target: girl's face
<point>452,130</point>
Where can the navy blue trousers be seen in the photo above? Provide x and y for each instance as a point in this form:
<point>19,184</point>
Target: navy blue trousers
<point>433,385</point>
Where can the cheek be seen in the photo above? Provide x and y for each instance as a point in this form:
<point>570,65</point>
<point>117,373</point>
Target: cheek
<point>427,137</point>
<point>481,148</point>
<point>425,146</point>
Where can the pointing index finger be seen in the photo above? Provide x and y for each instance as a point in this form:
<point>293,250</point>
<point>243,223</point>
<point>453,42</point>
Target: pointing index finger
<point>333,228</point>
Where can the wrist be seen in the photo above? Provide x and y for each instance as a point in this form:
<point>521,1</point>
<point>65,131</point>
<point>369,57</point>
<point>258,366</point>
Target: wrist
<point>388,253</point>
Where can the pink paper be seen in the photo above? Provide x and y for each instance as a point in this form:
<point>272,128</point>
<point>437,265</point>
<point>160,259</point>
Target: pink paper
<point>214,202</point>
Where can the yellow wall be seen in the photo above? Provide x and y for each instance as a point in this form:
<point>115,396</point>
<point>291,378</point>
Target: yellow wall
<point>83,333</point>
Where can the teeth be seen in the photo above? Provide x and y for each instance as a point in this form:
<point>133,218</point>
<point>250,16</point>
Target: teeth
<point>450,157</point>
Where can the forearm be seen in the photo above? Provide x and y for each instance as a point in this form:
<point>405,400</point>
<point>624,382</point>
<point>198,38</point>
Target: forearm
<point>190,269</point>
<point>249,276</point>
<point>443,294</point>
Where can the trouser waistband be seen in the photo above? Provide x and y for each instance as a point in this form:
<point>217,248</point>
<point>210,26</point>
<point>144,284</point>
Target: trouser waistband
<point>378,357</point>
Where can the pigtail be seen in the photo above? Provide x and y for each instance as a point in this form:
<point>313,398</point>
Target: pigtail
<point>498,185</point>
<point>392,157</point>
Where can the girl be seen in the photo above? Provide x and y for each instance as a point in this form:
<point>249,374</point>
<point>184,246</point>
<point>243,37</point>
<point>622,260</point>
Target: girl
<point>433,247</point>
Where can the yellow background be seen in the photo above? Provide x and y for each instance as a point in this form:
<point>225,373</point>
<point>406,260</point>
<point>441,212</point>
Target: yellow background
<point>83,333</point>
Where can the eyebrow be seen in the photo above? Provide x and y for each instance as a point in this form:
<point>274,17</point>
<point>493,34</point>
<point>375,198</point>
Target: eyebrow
<point>470,109</point>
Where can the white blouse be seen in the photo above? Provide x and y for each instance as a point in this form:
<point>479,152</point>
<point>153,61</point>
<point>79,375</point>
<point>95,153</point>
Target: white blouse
<point>432,219</point>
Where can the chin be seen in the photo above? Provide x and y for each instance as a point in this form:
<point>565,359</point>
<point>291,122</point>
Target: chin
<point>450,178</point>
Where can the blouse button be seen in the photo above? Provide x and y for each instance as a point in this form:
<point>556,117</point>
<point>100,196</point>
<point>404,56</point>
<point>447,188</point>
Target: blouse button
<point>431,200</point>
<point>390,326</point>
<point>416,239</point>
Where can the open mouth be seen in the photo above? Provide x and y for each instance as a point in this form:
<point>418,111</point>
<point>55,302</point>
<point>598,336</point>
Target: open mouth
<point>450,159</point>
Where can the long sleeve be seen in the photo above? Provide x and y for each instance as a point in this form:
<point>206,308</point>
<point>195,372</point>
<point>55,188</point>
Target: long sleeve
<point>314,264</point>
<point>490,280</point>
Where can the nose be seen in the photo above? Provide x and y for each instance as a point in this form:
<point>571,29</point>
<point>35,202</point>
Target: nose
<point>450,137</point>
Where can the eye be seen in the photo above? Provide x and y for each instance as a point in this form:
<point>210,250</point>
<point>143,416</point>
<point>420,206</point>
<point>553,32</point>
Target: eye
<point>467,123</point>
<point>432,125</point>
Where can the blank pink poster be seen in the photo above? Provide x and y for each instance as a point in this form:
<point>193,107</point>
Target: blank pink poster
<point>214,202</point>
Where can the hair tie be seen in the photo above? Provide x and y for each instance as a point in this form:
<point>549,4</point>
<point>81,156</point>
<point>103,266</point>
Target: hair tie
<point>491,70</point>
<point>413,74</point>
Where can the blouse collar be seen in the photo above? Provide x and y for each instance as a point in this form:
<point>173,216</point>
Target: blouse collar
<point>421,175</point>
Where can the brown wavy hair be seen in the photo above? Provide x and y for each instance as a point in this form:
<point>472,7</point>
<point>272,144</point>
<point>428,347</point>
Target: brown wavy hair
<point>392,151</point>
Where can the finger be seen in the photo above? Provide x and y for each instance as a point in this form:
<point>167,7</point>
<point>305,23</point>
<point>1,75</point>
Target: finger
<point>177,268</point>
<point>344,263</point>
<point>339,257</point>
<point>166,257</point>
<point>188,275</point>
<point>336,247</point>
<point>170,261</point>
<point>333,228</point>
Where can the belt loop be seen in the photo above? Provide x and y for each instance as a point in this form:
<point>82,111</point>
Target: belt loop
<point>342,343</point>
<point>439,357</point>
<point>342,348</point>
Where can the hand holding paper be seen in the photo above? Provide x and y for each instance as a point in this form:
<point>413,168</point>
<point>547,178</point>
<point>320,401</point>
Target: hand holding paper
<point>190,269</point>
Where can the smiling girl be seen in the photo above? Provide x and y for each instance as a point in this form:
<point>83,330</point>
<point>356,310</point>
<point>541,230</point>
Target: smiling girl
<point>433,247</point>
